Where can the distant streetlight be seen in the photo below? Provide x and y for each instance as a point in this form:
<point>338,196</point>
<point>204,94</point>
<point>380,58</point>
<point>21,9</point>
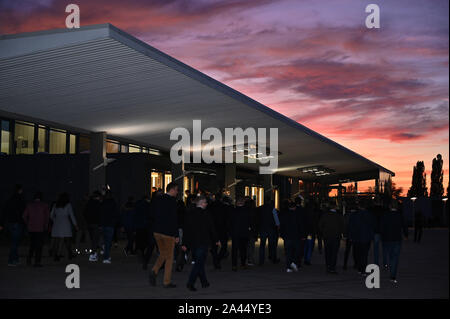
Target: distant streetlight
<point>444,215</point>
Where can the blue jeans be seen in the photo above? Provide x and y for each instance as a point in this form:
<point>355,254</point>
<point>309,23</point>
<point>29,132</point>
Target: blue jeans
<point>291,247</point>
<point>198,269</point>
<point>309,247</point>
<point>108,233</point>
<point>272,237</point>
<point>15,231</point>
<point>392,249</point>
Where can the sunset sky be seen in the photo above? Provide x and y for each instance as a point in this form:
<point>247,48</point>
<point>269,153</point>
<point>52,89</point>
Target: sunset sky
<point>380,92</point>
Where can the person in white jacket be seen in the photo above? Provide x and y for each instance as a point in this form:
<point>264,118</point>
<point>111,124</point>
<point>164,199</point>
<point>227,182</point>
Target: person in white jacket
<point>63,220</point>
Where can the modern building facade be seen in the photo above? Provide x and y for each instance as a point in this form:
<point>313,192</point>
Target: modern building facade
<point>89,107</point>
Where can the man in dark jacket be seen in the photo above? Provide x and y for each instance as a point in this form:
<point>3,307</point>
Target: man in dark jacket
<point>36,217</point>
<point>393,226</point>
<point>377,211</point>
<point>165,231</point>
<point>219,211</point>
<point>290,230</point>
<point>12,219</point>
<point>128,224</point>
<point>303,221</point>
<point>142,225</point>
<point>310,229</point>
<point>240,233</point>
<point>92,218</point>
<point>331,226</point>
<point>199,234</point>
<point>109,218</point>
<point>268,229</point>
<point>361,233</point>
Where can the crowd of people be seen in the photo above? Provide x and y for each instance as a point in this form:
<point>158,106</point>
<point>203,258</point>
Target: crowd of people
<point>180,231</point>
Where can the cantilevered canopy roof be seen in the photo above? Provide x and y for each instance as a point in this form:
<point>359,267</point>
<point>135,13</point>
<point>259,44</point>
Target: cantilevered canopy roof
<point>99,78</point>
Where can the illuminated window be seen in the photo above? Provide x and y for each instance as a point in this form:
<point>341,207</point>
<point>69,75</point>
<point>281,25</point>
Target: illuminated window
<point>277,199</point>
<point>5,137</point>
<point>154,152</point>
<point>41,140</point>
<point>57,142</point>
<point>260,199</point>
<point>112,147</point>
<point>73,144</point>
<point>247,191</point>
<point>134,149</point>
<point>24,137</point>
<point>167,180</point>
<point>157,180</point>
<point>123,148</point>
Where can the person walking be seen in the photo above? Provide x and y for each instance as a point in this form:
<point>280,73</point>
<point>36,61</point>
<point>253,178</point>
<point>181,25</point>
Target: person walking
<point>36,217</point>
<point>331,226</point>
<point>12,220</point>
<point>165,232</point>
<point>92,218</point>
<point>109,218</point>
<point>250,203</point>
<point>142,216</point>
<point>290,230</point>
<point>349,247</point>
<point>310,230</point>
<point>393,228</point>
<point>361,233</point>
<point>377,211</point>
<point>301,211</point>
<point>268,227</point>
<point>240,233</point>
<point>129,225</point>
<point>199,234</point>
<point>63,220</point>
<point>419,221</point>
<point>220,213</point>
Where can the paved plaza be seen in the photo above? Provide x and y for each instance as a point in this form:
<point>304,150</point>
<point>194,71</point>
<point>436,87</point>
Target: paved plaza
<point>423,273</point>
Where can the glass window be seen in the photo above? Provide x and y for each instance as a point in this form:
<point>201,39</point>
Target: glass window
<point>154,152</point>
<point>41,139</point>
<point>112,147</point>
<point>5,137</point>
<point>134,149</point>
<point>24,137</point>
<point>167,180</point>
<point>85,144</point>
<point>124,148</point>
<point>73,144</point>
<point>157,180</point>
<point>57,142</point>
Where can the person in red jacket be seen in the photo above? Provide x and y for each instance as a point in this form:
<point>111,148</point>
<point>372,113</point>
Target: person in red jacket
<point>36,217</point>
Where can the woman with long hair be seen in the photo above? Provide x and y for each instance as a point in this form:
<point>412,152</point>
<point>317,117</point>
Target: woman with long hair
<point>63,219</point>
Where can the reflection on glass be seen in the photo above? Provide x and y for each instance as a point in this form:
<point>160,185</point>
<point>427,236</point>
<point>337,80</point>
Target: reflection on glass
<point>57,142</point>
<point>23,138</point>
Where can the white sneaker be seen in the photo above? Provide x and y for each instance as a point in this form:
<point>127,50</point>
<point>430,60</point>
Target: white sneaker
<point>294,267</point>
<point>107,261</point>
<point>289,270</point>
<point>93,257</point>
